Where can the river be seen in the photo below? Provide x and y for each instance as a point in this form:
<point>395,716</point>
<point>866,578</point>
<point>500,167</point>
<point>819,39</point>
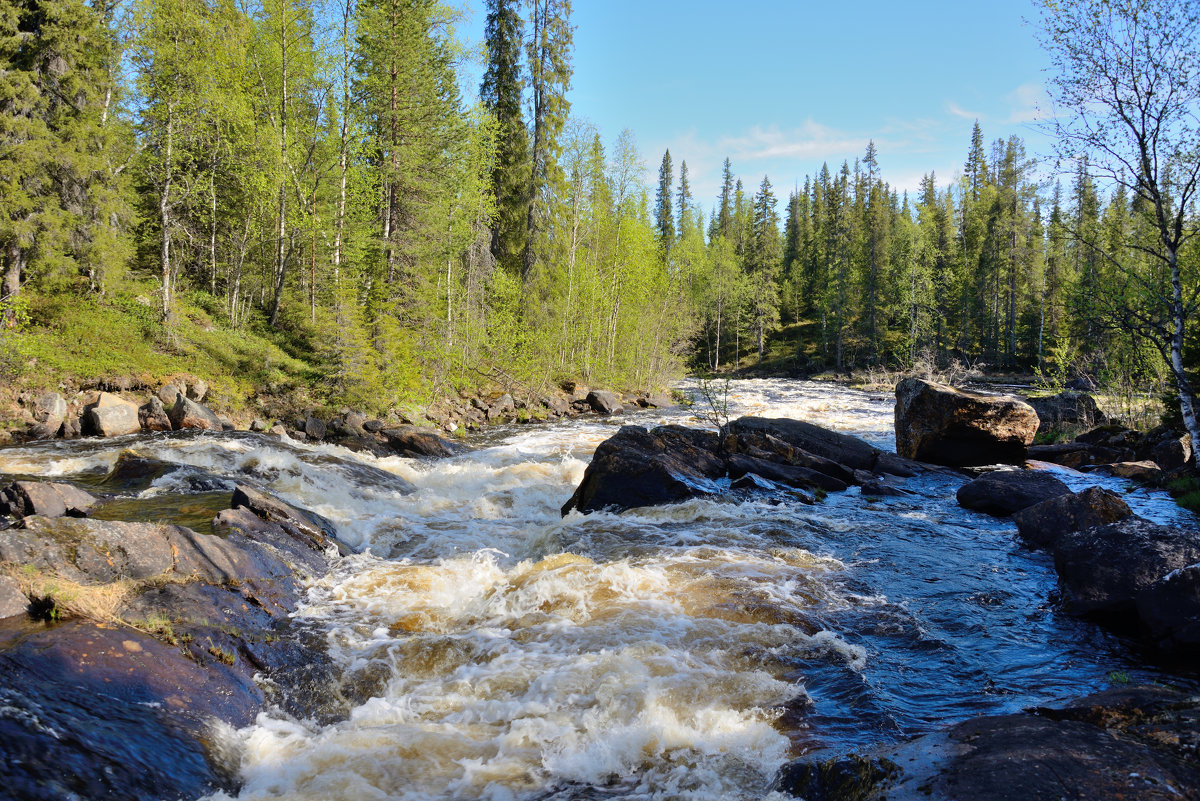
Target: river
<point>681,652</point>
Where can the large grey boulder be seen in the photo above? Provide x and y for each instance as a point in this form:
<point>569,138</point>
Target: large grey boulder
<point>1041,524</point>
<point>604,402</point>
<point>187,413</point>
<point>111,416</point>
<point>153,416</point>
<point>48,499</point>
<point>943,425</point>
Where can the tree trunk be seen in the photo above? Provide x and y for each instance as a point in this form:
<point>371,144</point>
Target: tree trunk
<point>280,252</point>
<point>164,216</point>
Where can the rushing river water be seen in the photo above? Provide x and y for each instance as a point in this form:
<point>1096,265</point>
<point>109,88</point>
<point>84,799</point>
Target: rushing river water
<point>680,652</point>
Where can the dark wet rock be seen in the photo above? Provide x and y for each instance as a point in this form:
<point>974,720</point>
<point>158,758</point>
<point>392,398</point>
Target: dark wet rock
<point>791,475</point>
<point>842,449</point>
<point>110,416</point>
<point>1066,409</point>
<point>1112,436</point>
<point>1003,492</point>
<point>1173,452</point>
<point>604,402</point>
<point>103,712</point>
<point>1104,569</point>
<point>135,473</point>
<point>761,444</point>
<point>636,467</point>
<point>1169,610</point>
<point>27,498</point>
<point>12,601</point>
<point>313,427</point>
<point>1132,744</point>
<point>309,528</point>
<point>1067,454</point>
<point>416,441</point>
<point>696,445</point>
<point>152,416</point>
<point>190,414</point>
<point>943,425</point>
<point>752,482</point>
<point>1043,523</point>
<point>881,489</point>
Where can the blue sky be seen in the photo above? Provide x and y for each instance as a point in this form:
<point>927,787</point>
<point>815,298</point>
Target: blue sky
<point>780,87</point>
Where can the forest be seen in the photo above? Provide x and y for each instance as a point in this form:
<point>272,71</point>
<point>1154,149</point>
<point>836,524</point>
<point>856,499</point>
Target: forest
<point>315,175</point>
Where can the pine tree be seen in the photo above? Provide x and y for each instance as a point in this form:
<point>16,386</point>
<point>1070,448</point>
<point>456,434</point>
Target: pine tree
<point>664,221</point>
<point>684,199</point>
<point>501,94</point>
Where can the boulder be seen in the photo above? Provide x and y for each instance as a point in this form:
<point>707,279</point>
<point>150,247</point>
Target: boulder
<point>1135,743</point>
<point>875,488</point>
<point>308,528</point>
<point>501,408</point>
<point>313,427</point>
<point>28,498</point>
<point>414,441</point>
<point>556,404</point>
<point>1067,454</point>
<point>1003,492</point>
<point>1041,524</point>
<point>153,417</point>
<point>374,426</point>
<point>197,390</point>
<point>1066,409</point>
<point>761,444</point>
<point>1145,471</point>
<point>111,416</point>
<point>1169,610</point>
<point>71,428</point>
<point>842,449</point>
<point>12,601</point>
<point>943,425</point>
<point>1173,452</point>
<point>604,402</point>
<point>657,400</point>
<point>169,392</point>
<point>258,425</point>
<point>636,467</point>
<point>751,482</point>
<point>50,407</point>
<point>1104,569</point>
<point>187,413</point>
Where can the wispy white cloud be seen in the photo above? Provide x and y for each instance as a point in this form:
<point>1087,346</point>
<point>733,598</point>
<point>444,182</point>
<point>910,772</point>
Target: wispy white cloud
<point>1026,103</point>
<point>959,111</point>
<point>811,141</point>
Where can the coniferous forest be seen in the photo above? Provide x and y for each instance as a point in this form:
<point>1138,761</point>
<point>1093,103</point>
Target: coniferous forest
<point>181,179</point>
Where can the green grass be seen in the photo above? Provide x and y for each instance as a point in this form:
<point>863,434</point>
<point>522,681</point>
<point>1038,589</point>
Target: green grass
<point>74,340</point>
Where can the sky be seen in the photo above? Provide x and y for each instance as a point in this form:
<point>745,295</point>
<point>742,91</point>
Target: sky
<point>780,87</point>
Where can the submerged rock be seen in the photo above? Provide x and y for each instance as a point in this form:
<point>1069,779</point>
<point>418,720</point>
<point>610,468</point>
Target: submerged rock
<point>1003,492</point>
<point>943,425</point>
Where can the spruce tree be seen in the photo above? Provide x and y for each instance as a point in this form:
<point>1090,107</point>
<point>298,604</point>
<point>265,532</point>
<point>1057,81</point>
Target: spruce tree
<point>501,94</point>
<point>664,221</point>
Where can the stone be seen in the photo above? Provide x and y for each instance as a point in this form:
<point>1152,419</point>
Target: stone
<point>153,417</point>
<point>48,407</point>
<point>313,427</point>
<point>1104,569</point>
<point>753,483</point>
<point>875,488</point>
<point>1145,472</point>
<point>842,449</point>
<point>791,475</point>
<point>761,444</point>
<point>258,425</point>
<point>1173,453</point>
<point>636,467</point>
<point>416,441</point>
<point>658,400</point>
<point>943,425</point>
<point>197,390</point>
<point>28,498</point>
<point>189,414</point>
<point>12,601</point>
<point>374,426</point>
<point>71,428</point>
<point>1136,743</point>
<point>604,402</point>
<point>501,408</point>
<point>1169,610</point>
<point>169,392</point>
<point>558,405</point>
<point>111,416</point>
<point>1066,409</point>
<point>1003,492</point>
<point>1041,524</point>
<point>307,527</point>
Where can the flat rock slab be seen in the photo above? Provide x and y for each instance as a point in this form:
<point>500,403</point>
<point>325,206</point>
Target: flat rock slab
<point>99,712</point>
<point>48,499</point>
<point>834,446</point>
<point>1135,745</point>
<point>1003,492</point>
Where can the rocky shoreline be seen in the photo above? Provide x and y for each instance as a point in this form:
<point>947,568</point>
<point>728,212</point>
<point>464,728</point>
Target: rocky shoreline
<point>123,644</point>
